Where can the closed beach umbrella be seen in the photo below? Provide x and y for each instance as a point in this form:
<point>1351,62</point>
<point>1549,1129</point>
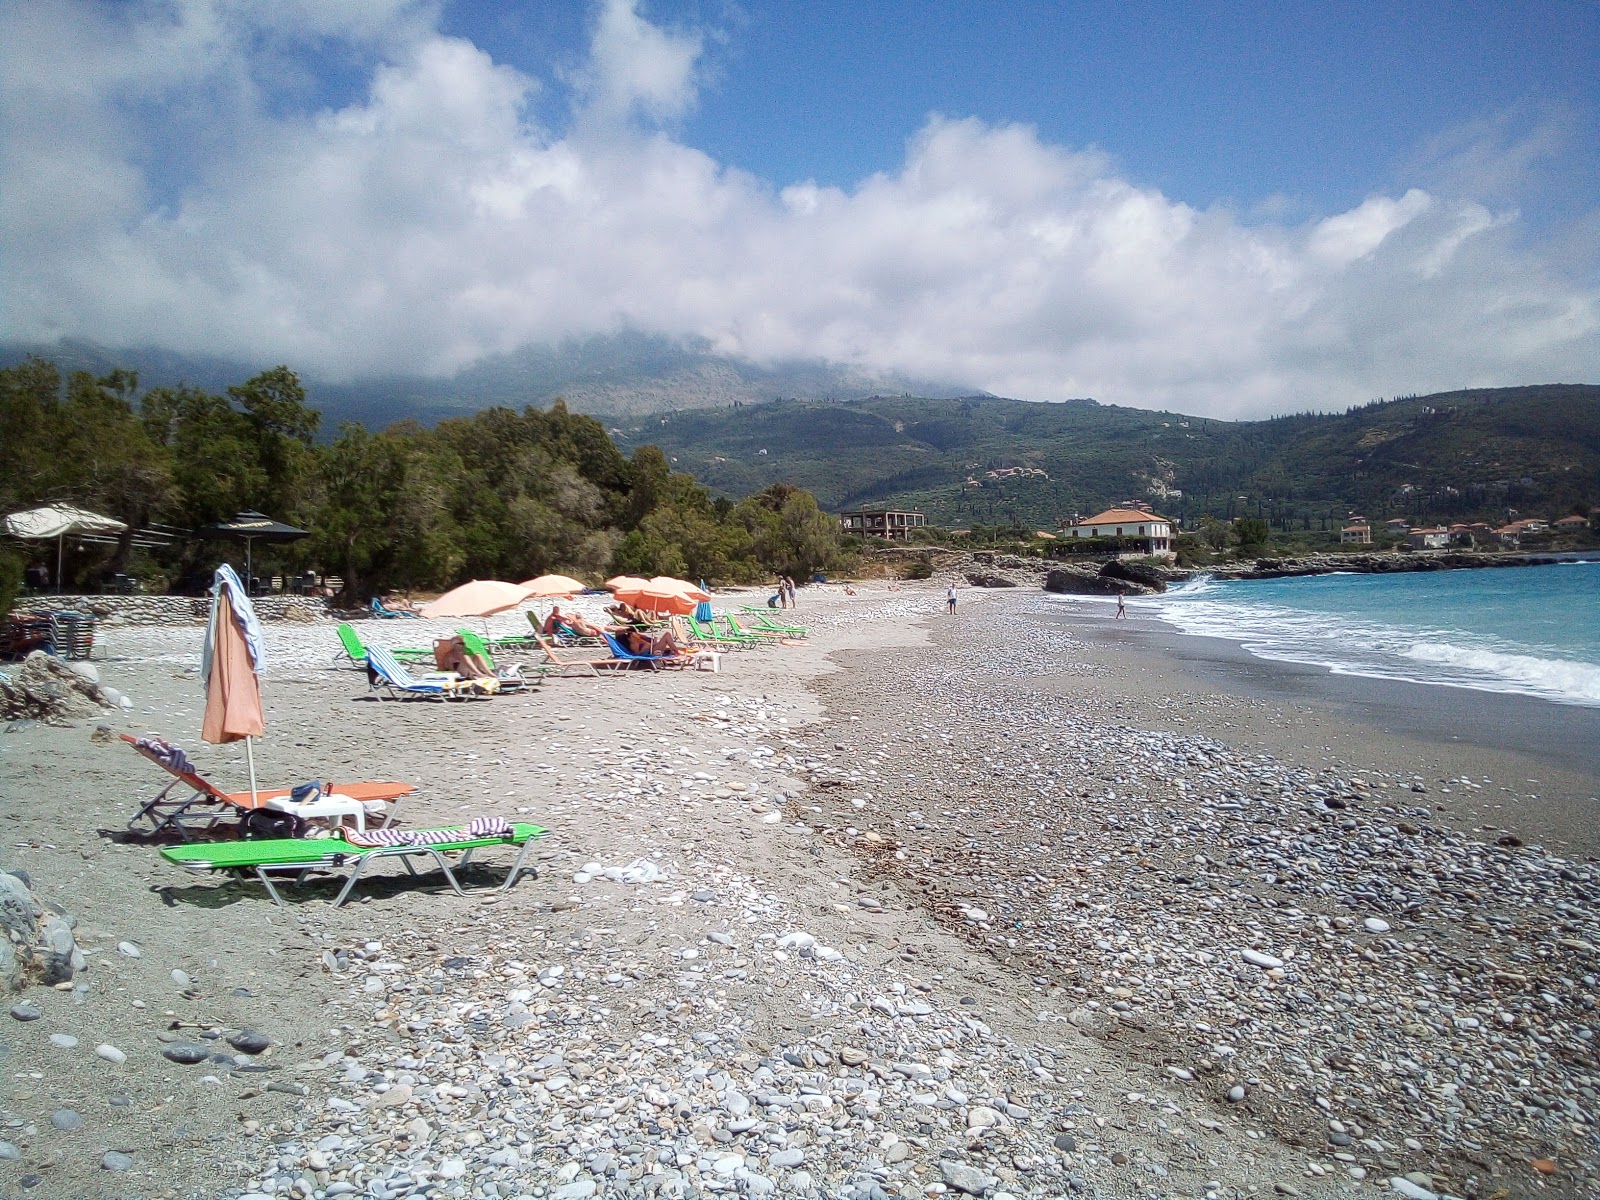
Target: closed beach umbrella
<point>231,661</point>
<point>480,598</point>
<point>59,521</point>
<point>550,587</point>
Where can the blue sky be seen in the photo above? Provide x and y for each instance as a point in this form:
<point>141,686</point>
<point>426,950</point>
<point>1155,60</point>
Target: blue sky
<point>1318,104</point>
<point>1222,208</point>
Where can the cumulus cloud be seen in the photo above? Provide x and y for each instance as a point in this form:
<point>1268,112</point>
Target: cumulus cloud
<point>430,222</point>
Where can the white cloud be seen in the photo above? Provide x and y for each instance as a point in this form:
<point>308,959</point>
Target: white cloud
<point>429,223</point>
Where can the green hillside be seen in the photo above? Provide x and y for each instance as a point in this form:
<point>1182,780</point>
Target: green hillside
<point>1456,455</point>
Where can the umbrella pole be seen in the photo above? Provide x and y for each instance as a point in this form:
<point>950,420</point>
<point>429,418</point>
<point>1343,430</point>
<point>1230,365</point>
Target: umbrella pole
<point>61,542</point>
<point>250,757</point>
<point>249,583</point>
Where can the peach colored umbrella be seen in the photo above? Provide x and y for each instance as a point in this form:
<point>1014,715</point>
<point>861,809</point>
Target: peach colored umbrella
<point>549,587</point>
<point>625,581</point>
<point>480,598</point>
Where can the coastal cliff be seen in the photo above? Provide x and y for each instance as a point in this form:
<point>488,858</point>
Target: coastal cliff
<point>1367,564</point>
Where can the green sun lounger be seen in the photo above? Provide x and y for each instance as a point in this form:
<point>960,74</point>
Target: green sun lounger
<point>710,633</point>
<point>356,651</point>
<point>301,856</point>
<point>761,618</point>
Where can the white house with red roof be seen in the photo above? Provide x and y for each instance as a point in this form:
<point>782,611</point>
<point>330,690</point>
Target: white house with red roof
<point>1130,525</point>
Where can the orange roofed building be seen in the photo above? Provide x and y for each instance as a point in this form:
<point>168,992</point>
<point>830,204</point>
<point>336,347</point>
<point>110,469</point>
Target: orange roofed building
<point>1130,525</point>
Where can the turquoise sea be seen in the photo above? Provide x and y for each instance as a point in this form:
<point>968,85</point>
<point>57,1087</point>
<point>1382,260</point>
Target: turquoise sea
<point>1529,630</point>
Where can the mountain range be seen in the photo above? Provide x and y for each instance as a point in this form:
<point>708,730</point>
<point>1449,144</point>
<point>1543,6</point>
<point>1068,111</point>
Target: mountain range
<point>855,438</point>
<point>617,375</point>
<point>984,460</point>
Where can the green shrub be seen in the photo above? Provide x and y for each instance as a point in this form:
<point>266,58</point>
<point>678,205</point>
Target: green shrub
<point>920,569</point>
<point>11,566</point>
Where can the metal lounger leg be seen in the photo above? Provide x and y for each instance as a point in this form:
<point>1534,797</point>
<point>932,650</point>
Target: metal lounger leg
<point>267,883</point>
<point>517,868</point>
<point>404,853</point>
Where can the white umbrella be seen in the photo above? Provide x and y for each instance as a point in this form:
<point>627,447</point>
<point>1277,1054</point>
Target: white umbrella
<point>59,521</point>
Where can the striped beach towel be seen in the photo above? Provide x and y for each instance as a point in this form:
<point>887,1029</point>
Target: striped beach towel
<point>478,827</point>
<point>166,754</point>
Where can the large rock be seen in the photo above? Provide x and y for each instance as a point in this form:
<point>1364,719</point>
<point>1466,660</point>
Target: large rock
<point>988,579</point>
<point>48,689</point>
<point>38,946</point>
<point>1144,574</point>
<point>1087,581</point>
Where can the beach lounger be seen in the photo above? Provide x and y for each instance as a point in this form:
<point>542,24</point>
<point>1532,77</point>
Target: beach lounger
<point>710,633</point>
<point>769,636</point>
<point>378,610</point>
<point>355,651</point>
<point>206,805</point>
<point>654,661</point>
<point>385,672</point>
<point>761,619</point>
<point>688,636</point>
<point>511,679</point>
<point>388,613</point>
<point>584,666</point>
<point>301,857</point>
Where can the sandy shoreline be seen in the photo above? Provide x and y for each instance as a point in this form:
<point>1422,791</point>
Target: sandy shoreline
<point>805,1001</point>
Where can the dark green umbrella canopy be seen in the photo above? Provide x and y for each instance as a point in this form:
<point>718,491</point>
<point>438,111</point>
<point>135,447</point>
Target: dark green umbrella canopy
<point>250,527</point>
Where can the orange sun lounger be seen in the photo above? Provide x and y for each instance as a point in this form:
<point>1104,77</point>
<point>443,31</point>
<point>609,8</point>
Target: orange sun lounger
<point>207,804</point>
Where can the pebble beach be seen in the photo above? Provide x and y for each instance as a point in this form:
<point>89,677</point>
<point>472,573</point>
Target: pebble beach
<point>923,906</point>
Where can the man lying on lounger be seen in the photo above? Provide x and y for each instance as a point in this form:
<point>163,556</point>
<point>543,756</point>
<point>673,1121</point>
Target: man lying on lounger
<point>559,623</point>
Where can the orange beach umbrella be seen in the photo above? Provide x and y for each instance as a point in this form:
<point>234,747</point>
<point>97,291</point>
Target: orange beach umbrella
<point>692,590</point>
<point>662,595</point>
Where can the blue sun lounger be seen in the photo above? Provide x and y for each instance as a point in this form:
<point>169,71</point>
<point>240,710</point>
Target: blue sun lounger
<point>384,671</point>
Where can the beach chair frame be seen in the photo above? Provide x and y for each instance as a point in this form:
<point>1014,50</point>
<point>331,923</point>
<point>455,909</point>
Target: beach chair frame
<point>208,805</point>
<point>584,666</point>
<point>385,673</point>
<point>308,857</point>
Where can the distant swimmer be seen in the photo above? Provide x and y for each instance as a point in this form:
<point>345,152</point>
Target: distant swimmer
<point>1122,609</point>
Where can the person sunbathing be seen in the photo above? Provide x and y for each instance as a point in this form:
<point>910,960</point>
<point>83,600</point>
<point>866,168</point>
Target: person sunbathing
<point>660,644</point>
<point>627,614</point>
<point>451,654</point>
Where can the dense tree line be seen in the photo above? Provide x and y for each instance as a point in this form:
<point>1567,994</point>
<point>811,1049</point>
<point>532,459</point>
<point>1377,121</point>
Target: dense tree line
<point>497,495</point>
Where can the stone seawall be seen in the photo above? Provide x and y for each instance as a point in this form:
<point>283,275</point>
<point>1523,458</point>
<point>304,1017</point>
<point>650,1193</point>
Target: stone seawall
<point>171,610</point>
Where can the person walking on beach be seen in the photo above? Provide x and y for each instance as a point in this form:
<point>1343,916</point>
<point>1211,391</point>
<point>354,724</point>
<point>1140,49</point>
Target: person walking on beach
<point>950,599</point>
<point>1122,609</point>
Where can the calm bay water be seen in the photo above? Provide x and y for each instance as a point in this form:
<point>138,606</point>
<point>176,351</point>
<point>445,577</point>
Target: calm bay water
<point>1529,630</point>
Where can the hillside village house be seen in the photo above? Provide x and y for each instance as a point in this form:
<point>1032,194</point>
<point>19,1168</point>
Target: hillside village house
<point>1129,524</point>
<point>890,523</point>
<point>1359,534</point>
<point>1436,538</point>
<point>1572,524</point>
